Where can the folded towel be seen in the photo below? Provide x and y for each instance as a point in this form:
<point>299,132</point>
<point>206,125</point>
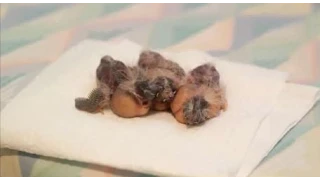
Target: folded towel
<point>293,104</point>
<point>42,119</point>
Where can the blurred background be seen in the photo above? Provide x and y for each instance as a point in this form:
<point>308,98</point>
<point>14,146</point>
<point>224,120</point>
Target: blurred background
<point>276,36</point>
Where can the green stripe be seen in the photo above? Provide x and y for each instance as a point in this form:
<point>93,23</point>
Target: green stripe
<point>275,47</point>
<point>68,17</point>
<point>107,35</point>
<point>5,80</point>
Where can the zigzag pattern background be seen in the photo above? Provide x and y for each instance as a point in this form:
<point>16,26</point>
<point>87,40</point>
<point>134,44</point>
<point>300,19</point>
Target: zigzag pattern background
<point>277,36</point>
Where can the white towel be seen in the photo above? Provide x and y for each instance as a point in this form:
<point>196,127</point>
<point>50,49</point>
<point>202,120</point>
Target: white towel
<point>291,106</point>
<point>42,118</point>
<point>295,101</point>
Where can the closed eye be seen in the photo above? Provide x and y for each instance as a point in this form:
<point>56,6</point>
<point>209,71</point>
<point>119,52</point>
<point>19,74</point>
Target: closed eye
<point>145,102</point>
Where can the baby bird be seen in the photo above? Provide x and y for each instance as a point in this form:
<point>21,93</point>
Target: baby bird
<point>109,74</point>
<point>121,88</point>
<point>130,98</point>
<point>201,98</point>
<point>205,74</point>
<point>152,84</point>
<point>151,59</point>
<point>164,78</point>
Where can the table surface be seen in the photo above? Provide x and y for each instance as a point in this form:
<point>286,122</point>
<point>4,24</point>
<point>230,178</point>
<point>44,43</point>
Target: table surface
<point>277,36</point>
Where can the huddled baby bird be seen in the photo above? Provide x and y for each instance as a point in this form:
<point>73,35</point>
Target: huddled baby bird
<point>155,84</point>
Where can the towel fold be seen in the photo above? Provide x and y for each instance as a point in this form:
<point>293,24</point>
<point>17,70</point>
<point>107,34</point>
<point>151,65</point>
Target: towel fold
<point>42,119</point>
<point>293,104</point>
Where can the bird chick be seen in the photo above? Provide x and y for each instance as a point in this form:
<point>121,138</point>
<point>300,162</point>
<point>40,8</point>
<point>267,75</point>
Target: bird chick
<point>109,74</point>
<point>163,85</point>
<point>164,78</point>
<point>201,98</point>
<point>205,74</point>
<point>151,59</point>
<point>131,98</point>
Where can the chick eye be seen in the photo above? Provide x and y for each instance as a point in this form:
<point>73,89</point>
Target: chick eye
<point>174,92</point>
<point>145,102</point>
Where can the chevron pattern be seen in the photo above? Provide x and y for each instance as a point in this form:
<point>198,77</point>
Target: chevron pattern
<point>277,36</point>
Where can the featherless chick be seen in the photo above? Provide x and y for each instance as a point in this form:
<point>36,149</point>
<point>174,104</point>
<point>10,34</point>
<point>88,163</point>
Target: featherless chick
<point>201,97</point>
<point>131,98</point>
<point>109,74</point>
<point>164,78</point>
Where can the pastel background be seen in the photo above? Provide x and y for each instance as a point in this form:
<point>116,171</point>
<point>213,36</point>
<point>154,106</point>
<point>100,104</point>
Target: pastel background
<point>276,36</point>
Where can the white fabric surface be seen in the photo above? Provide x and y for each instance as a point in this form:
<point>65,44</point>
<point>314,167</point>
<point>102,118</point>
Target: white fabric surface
<point>42,118</point>
<point>293,104</point>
